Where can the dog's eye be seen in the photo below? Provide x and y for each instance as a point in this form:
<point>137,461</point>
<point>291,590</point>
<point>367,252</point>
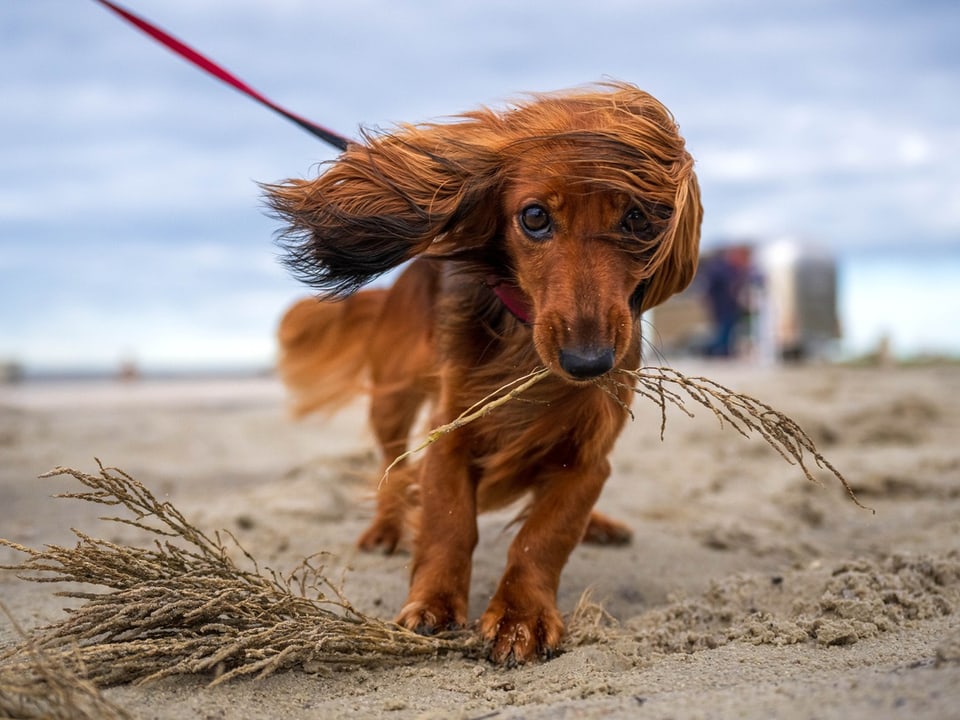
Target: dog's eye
<point>635,222</point>
<point>535,221</point>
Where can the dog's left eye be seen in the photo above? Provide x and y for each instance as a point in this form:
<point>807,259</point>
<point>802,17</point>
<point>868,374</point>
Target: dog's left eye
<point>535,221</point>
<point>635,222</point>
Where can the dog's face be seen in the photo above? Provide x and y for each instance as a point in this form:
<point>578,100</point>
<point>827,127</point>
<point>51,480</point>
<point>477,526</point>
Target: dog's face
<point>580,249</point>
<point>593,193</point>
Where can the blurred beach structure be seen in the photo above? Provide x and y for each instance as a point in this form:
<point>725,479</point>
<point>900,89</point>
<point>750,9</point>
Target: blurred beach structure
<point>796,301</point>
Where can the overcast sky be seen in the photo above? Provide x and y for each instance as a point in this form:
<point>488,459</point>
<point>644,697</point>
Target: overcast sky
<point>130,221</point>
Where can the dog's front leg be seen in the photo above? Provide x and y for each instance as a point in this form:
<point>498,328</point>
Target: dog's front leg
<point>522,621</point>
<point>447,536</point>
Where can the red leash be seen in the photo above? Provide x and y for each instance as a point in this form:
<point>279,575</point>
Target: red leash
<point>191,55</point>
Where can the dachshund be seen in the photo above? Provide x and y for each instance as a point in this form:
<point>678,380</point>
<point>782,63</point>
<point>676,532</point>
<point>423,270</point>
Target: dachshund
<point>537,235</point>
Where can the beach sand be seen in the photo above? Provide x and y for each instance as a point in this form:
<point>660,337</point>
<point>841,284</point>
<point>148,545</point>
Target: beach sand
<point>747,592</point>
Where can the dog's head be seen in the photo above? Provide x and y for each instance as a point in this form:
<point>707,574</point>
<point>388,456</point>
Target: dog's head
<point>590,195</point>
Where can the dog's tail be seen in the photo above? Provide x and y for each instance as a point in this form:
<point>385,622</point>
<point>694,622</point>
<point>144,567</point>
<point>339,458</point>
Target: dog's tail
<point>324,350</point>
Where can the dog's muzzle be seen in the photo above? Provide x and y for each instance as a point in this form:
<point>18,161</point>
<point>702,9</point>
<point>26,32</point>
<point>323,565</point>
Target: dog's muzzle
<point>586,363</point>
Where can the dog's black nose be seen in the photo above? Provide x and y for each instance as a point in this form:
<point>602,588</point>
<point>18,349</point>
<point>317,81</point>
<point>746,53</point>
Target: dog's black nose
<point>586,363</point>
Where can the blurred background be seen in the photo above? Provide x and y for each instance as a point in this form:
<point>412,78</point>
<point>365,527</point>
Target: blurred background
<point>133,236</point>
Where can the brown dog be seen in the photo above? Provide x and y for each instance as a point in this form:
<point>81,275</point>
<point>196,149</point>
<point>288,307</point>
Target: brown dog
<point>541,233</point>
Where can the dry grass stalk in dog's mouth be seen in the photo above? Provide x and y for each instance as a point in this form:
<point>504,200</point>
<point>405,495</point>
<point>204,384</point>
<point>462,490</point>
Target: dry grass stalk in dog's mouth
<point>491,402</point>
<point>744,413</point>
<point>665,386</point>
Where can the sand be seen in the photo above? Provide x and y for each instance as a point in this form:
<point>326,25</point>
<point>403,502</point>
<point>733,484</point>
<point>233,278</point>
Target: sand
<point>747,591</point>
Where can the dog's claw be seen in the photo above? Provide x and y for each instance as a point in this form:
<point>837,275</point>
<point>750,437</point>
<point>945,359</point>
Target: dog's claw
<point>514,639</point>
<point>425,630</point>
<point>426,620</point>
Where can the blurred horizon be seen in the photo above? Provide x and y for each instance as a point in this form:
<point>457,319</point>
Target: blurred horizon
<point>872,285</point>
<point>132,230</point>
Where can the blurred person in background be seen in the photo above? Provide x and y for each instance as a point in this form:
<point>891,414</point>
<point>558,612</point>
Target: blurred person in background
<point>726,277</point>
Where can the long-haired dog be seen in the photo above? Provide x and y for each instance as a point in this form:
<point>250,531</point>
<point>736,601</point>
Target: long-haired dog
<point>539,235</point>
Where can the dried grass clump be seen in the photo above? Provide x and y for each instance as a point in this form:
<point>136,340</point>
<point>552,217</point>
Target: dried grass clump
<point>46,685</point>
<point>184,606</point>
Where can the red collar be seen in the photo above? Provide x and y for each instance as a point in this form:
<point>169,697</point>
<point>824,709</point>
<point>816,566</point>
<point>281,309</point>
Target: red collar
<point>512,297</point>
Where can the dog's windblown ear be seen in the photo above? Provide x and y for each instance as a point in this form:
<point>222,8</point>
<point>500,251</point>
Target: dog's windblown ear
<point>683,245</point>
<point>386,200</point>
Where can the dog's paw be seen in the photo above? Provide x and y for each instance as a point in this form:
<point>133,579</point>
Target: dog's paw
<point>602,530</point>
<point>383,535</point>
<point>429,617</point>
<point>514,638</point>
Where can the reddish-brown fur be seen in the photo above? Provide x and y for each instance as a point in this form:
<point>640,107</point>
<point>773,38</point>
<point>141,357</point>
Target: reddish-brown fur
<point>608,169</point>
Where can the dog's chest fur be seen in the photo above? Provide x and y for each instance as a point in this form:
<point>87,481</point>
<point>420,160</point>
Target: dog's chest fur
<point>552,427</point>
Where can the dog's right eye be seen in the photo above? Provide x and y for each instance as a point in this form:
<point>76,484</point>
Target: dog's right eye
<point>535,221</point>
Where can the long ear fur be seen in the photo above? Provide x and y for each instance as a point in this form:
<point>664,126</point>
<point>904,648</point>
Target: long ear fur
<point>388,199</point>
<point>679,264</point>
<point>434,188</point>
<point>665,176</point>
